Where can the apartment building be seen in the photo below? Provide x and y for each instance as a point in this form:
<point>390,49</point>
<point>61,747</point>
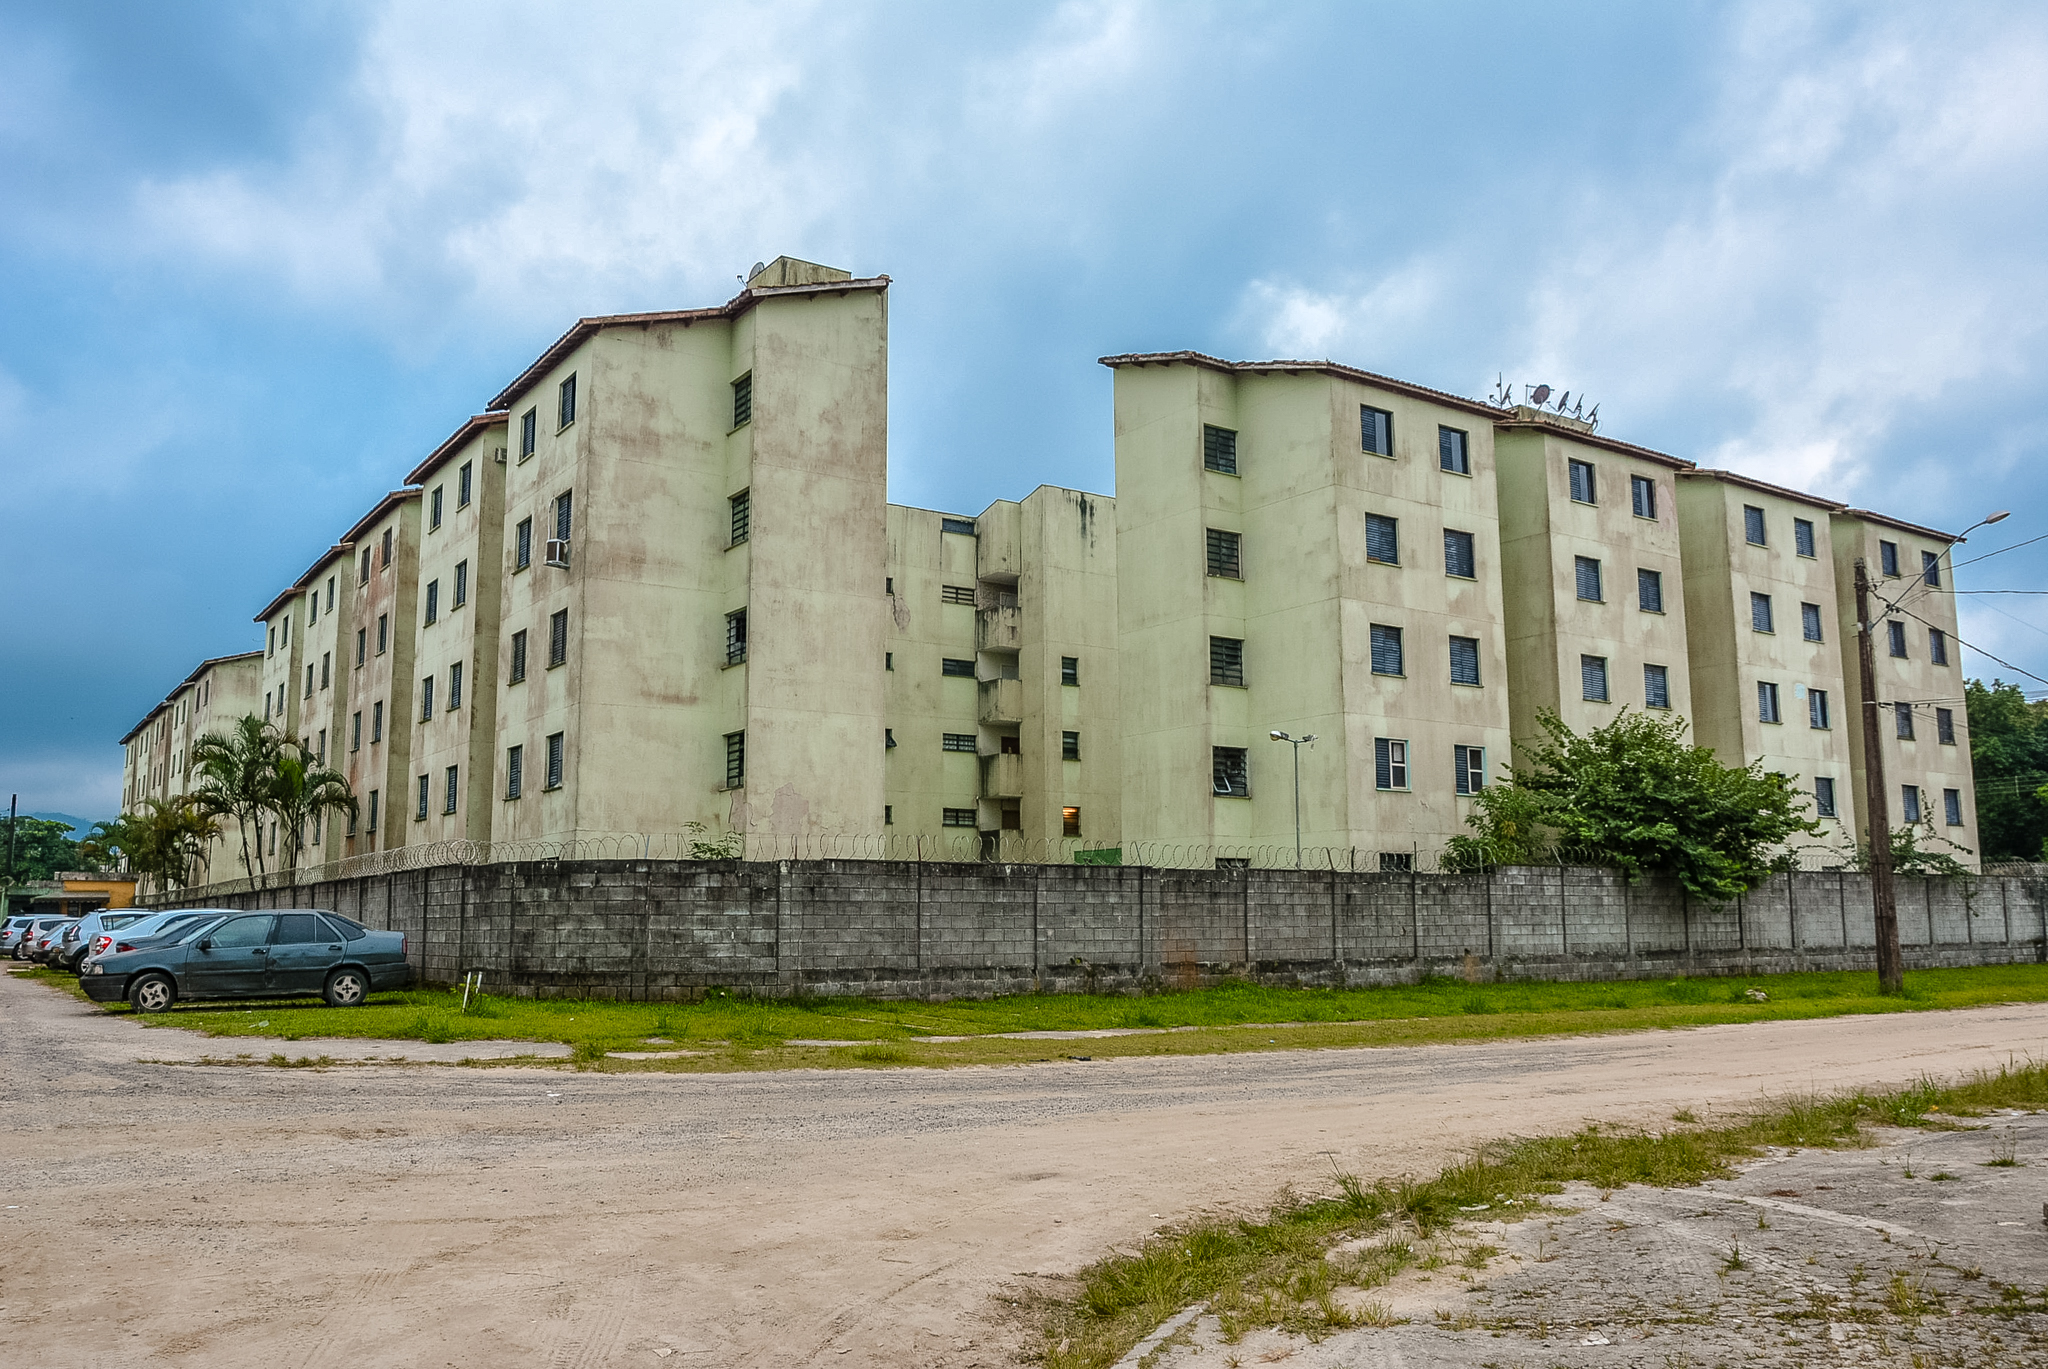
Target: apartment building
<point>1307,548</point>
<point>1592,574</point>
<point>157,753</point>
<point>322,684</point>
<point>381,580</point>
<point>931,740</point>
<point>1923,729</point>
<point>1765,643</point>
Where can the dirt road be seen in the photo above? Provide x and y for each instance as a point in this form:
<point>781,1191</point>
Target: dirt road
<point>427,1215</point>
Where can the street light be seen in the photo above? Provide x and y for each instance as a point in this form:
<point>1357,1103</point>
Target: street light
<point>1891,964</point>
<point>1297,743</point>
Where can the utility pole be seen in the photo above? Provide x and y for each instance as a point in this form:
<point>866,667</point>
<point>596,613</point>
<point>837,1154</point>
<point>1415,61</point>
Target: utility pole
<point>1891,967</point>
<point>1297,743</point>
<point>13,805</point>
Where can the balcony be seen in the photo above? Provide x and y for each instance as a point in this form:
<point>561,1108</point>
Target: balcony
<point>999,627</point>
<point>1002,701</point>
<point>1002,777</point>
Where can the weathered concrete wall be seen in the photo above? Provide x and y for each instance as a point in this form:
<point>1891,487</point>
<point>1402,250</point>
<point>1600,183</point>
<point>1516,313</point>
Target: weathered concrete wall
<point>671,929</point>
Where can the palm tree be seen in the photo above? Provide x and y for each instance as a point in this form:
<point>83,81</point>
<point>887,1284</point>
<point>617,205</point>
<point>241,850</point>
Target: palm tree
<point>165,839</point>
<point>301,790</point>
<point>237,774</point>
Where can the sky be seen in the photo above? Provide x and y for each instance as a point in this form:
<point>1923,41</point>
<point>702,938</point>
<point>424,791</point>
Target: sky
<point>257,260</point>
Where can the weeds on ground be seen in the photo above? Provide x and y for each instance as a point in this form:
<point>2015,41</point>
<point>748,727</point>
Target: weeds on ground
<point>1293,1267</point>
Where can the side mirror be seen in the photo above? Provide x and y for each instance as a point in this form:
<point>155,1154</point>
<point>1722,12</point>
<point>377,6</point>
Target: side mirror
<point>206,943</point>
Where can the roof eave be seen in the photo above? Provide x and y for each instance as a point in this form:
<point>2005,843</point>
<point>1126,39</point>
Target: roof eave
<point>454,443</point>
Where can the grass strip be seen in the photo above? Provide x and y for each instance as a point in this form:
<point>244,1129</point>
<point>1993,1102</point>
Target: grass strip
<point>1277,1269</point>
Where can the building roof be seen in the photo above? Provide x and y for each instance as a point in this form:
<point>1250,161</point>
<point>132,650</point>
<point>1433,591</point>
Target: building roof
<point>1749,482</point>
<point>210,663</point>
<point>1402,387</point>
<point>1592,439</point>
<point>384,506</point>
<point>470,427</point>
<point>191,679</point>
<point>1886,520</point>
<point>732,308</point>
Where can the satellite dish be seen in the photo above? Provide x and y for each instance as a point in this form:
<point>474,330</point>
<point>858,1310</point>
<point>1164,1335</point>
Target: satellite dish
<point>1539,394</point>
<point>759,267</point>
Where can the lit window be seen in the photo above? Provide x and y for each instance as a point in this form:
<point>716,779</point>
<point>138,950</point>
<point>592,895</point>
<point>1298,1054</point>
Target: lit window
<point>1070,822</point>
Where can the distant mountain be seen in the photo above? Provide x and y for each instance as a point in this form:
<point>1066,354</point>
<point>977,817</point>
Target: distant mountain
<point>83,825</point>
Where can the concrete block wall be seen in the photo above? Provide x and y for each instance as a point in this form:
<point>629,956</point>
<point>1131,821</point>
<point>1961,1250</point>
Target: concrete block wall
<point>672,929</point>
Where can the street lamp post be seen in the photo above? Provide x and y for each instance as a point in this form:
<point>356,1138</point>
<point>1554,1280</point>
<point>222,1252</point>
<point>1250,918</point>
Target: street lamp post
<point>1297,743</point>
<point>1891,962</point>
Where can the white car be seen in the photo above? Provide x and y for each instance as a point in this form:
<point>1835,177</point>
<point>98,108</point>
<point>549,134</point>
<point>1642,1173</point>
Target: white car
<point>147,927</point>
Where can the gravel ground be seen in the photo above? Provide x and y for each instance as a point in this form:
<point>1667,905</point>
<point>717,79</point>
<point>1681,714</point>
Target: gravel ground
<point>178,1214</point>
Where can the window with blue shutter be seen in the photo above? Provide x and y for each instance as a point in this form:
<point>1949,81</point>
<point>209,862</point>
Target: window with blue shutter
<point>1760,613</point>
<point>1642,493</point>
<point>1945,726</point>
<point>1824,796</point>
<point>1753,525</point>
<point>1895,638</point>
<point>1390,763</point>
<point>1587,572</point>
<point>1656,686</point>
<point>1375,430</point>
<point>1459,558</point>
<point>1888,557</point>
<point>1809,622</point>
<point>1582,481</point>
<point>1930,568</point>
<point>1650,590</point>
<point>1909,802</point>
<point>1451,453</point>
<point>1593,678</point>
<point>1382,539</point>
<point>1937,646</point>
<point>1952,806</point>
<point>1802,536</point>
<point>1386,650</point>
<point>1902,721</point>
<point>1817,709</point>
<point>1465,660</point>
<point>1468,768</point>
<point>1767,703</point>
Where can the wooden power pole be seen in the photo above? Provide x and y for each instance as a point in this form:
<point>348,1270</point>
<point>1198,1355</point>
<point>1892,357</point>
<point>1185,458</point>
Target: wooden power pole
<point>1891,964</point>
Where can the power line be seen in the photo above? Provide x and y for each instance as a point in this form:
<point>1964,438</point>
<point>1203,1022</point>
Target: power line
<point>1978,649</point>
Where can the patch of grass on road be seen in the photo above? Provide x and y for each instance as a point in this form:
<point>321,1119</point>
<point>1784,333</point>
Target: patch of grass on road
<point>1277,1270</point>
<point>733,1032</point>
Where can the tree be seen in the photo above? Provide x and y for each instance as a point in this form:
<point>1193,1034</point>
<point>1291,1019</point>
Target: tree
<point>165,840</point>
<point>41,848</point>
<point>301,791</point>
<point>237,776</point>
<point>1634,795</point>
<point>2009,752</point>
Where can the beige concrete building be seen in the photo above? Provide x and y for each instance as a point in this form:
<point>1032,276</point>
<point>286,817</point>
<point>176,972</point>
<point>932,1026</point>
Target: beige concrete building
<point>1313,549</point>
<point>1592,574</point>
<point>381,579</point>
<point>1766,646</point>
<point>328,641</point>
<point>1923,729</point>
<point>157,752</point>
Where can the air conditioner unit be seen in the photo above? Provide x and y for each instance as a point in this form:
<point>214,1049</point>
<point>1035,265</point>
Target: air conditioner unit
<point>498,455</point>
<point>558,551</point>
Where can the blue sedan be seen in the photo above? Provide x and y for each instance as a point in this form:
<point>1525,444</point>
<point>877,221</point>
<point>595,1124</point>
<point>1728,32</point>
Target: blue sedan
<point>303,951</point>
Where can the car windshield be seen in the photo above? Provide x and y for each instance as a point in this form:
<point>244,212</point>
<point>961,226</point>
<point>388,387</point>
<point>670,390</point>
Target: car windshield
<point>191,930</point>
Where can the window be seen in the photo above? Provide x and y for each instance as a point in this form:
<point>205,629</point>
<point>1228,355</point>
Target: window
<point>383,633</point>
<point>1464,660</point>
<point>742,516</point>
<point>962,526</point>
<point>1397,862</point>
<point>1888,557</point>
<point>1468,768</point>
<point>1802,536</point>
<point>1930,569</point>
<point>1223,554</point>
<point>1219,450</point>
<point>1753,525</point>
<point>455,686</point>
<point>330,594</point>
<point>888,660</point>
<point>1909,802</point>
<point>1895,638</point>
<point>1070,670</point>
<point>285,638</point>
<point>1817,709</point>
<point>565,405</point>
<point>529,422</point>
<point>1767,703</point>
<point>957,594</point>
<point>522,545</point>
<point>461,583</point>
<point>1824,796</point>
<point>376,722</point>
<point>888,738</point>
<point>1382,540</point>
<point>1937,646</point>
<point>1902,721</point>
<point>1656,686</point>
<point>1070,822</point>
<point>956,817</point>
<point>1375,430</point>
<point>1642,494</point>
<point>384,562</point>
<point>1586,571</point>
<point>1760,613</point>
<point>313,614</point>
<point>355,731</point>
<point>1593,678</point>
<point>373,814</point>
<point>1945,726</point>
<point>1226,661</point>
<point>888,814</point>
<point>419,813</point>
<point>1459,559</point>
<point>326,669</point>
<point>743,400</point>
<point>957,741</point>
<point>270,648</point>
<point>1386,650</point>
<point>515,766</point>
<point>323,746</point>
<point>1389,763</point>
<point>362,645</point>
<point>1952,806</point>
<point>364,579</point>
<point>463,486</point>
<point>1230,769</point>
<point>955,667</point>
<point>434,509</point>
<point>1809,622</point>
<point>554,775</point>
<point>558,637</point>
<point>1451,451</point>
<point>448,798</point>
<point>564,503</point>
<point>426,698</point>
<point>1070,746</point>
<point>1581,473</point>
<point>518,671</point>
<point>309,679</point>
<point>1650,591</point>
<point>736,637</point>
<point>433,602</point>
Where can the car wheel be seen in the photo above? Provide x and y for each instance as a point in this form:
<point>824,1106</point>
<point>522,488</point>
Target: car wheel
<point>152,993</point>
<point>346,989</point>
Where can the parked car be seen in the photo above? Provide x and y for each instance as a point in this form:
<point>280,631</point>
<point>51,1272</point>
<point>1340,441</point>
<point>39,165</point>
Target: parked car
<point>149,927</point>
<point>79,938</point>
<point>298,952</point>
<point>11,932</point>
<point>45,936</point>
